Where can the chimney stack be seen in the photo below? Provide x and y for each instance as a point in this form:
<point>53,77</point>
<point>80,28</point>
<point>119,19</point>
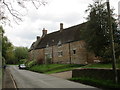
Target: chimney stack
<point>44,32</point>
<point>38,37</point>
<point>61,26</point>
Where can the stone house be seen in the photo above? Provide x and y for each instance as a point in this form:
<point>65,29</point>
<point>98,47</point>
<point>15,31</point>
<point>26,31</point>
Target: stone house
<point>63,46</point>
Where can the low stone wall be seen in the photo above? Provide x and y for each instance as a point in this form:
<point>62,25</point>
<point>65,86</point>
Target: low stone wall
<point>105,74</point>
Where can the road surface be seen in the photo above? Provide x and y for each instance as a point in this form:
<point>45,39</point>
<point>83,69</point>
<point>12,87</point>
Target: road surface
<point>28,79</point>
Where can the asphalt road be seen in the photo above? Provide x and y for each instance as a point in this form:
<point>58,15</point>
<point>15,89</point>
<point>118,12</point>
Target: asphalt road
<point>28,79</point>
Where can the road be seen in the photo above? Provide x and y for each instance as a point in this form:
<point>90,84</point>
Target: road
<point>28,79</point>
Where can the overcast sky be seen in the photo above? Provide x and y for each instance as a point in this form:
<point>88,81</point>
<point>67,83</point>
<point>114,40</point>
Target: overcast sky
<point>68,12</point>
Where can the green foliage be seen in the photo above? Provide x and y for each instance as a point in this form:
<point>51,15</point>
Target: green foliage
<point>101,65</point>
<point>11,54</point>
<point>7,48</point>
<point>21,53</point>
<point>31,63</point>
<point>117,50</point>
<point>22,61</point>
<point>96,34</point>
<point>48,60</point>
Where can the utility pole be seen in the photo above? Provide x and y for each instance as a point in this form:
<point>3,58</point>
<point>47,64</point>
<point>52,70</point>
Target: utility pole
<point>112,43</point>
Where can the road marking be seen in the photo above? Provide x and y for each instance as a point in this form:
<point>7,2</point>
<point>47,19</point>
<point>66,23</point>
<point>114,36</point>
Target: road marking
<point>14,82</point>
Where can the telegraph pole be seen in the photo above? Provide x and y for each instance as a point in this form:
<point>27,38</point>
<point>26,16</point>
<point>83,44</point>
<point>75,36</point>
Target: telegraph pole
<point>112,43</point>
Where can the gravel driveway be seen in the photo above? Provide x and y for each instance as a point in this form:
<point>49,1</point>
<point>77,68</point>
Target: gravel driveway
<point>64,75</point>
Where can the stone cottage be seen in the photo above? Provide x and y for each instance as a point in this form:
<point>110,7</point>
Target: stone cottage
<point>63,46</point>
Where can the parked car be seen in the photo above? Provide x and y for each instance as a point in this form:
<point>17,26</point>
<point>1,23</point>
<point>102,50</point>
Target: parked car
<point>22,66</point>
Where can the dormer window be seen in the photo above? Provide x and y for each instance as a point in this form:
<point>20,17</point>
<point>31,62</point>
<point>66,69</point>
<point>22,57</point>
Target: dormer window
<point>59,43</point>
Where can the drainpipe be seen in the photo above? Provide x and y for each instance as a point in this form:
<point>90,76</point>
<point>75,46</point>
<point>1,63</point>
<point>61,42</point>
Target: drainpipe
<point>69,53</point>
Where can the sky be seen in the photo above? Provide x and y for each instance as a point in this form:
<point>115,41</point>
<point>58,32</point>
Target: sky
<point>68,12</point>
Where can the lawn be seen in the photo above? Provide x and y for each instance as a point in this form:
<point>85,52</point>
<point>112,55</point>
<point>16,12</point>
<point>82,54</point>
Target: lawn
<point>53,68</point>
<point>101,65</point>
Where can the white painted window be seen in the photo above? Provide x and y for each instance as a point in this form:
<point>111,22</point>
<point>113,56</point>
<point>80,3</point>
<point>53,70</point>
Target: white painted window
<point>59,43</point>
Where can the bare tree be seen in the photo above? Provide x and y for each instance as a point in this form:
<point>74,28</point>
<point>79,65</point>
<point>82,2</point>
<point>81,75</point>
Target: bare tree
<point>7,6</point>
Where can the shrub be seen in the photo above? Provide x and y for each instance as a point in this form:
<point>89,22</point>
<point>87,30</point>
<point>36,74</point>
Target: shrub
<point>23,61</point>
<point>31,63</point>
<point>48,60</point>
<point>40,61</point>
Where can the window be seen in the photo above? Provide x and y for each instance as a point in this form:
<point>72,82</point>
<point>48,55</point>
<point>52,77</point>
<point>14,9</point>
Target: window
<point>74,51</point>
<point>47,55</point>
<point>60,54</point>
<point>59,43</point>
<point>47,46</point>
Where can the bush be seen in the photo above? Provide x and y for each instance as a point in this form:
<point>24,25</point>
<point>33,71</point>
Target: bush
<point>23,61</point>
<point>48,61</point>
<point>31,63</point>
<point>40,61</point>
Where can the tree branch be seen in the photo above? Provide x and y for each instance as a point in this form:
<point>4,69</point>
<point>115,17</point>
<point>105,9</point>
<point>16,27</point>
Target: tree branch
<point>11,11</point>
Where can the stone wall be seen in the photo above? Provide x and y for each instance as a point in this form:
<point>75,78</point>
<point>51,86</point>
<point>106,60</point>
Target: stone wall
<point>78,52</point>
<point>31,55</point>
<point>105,74</point>
<point>40,56</point>
<point>74,53</point>
<point>37,55</point>
<point>48,54</point>
<point>61,54</point>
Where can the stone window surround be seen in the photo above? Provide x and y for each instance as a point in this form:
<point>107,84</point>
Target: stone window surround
<point>74,51</point>
<point>60,53</point>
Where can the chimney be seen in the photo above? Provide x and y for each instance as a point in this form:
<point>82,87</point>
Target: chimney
<point>38,37</point>
<point>44,32</point>
<point>61,26</point>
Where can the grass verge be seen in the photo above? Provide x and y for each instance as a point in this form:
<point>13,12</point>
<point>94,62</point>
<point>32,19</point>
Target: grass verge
<point>104,84</point>
<point>53,68</point>
<point>101,65</point>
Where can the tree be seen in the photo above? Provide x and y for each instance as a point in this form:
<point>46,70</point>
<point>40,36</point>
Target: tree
<point>9,6</point>
<point>5,43</point>
<point>96,34</point>
<point>11,54</point>
<point>21,53</point>
<point>6,47</point>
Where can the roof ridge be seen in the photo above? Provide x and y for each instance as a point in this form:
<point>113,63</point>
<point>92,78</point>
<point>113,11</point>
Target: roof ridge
<point>67,28</point>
